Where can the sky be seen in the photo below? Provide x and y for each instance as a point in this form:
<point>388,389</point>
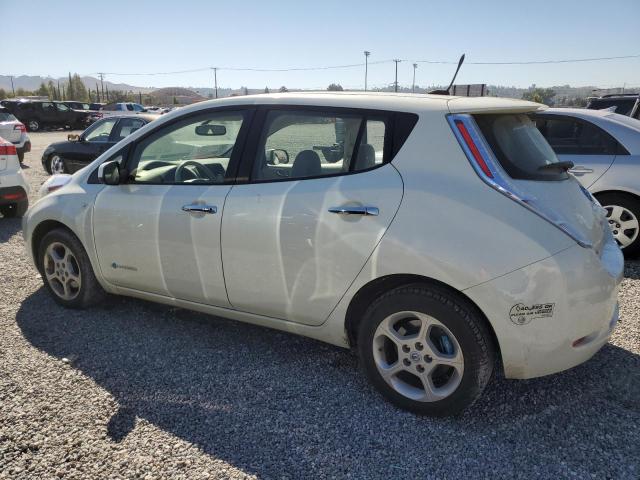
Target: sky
<point>142,36</point>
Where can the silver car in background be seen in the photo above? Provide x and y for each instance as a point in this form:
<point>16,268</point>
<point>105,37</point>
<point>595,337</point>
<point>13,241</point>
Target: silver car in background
<point>605,150</point>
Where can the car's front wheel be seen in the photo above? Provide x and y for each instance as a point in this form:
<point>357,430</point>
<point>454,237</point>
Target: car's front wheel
<point>623,214</point>
<point>34,125</point>
<point>426,349</point>
<point>67,271</point>
<point>56,165</point>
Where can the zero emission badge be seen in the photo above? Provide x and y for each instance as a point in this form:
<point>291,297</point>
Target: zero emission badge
<point>522,314</point>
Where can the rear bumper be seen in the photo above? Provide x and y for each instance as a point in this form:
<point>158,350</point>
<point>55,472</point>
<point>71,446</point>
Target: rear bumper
<point>556,313</point>
<point>15,195</point>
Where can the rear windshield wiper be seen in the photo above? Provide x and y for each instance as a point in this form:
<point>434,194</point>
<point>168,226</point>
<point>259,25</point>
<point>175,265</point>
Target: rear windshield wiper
<point>557,166</point>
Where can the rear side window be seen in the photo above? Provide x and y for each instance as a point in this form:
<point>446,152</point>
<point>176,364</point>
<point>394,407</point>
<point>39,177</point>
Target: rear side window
<point>519,147</point>
<point>568,136</point>
<point>621,106</point>
<point>7,117</point>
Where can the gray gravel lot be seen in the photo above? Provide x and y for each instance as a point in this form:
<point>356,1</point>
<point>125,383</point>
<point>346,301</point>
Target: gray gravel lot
<point>137,390</point>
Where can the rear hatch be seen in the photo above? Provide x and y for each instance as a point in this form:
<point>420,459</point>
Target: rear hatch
<point>520,163</point>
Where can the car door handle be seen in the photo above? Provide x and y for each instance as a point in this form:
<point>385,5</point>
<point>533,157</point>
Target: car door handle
<point>580,170</point>
<point>199,208</point>
<point>373,211</point>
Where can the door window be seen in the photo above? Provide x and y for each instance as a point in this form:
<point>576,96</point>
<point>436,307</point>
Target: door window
<point>195,150</point>
<point>298,144</point>
<point>572,137</point>
<point>126,127</point>
<point>100,132</point>
<point>62,107</point>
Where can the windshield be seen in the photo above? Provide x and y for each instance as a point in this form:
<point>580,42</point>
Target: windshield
<point>519,147</point>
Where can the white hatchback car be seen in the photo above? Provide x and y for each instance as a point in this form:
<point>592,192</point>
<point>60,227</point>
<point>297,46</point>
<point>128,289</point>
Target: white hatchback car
<point>433,234</point>
<point>14,190</point>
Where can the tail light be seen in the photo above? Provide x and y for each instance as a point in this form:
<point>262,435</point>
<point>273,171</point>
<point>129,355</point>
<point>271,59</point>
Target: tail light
<point>20,127</point>
<point>13,196</point>
<point>7,149</point>
<point>489,170</point>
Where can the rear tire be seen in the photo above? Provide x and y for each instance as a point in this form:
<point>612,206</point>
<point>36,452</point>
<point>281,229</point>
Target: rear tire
<point>34,125</point>
<point>67,272</point>
<point>442,353</point>
<point>623,210</point>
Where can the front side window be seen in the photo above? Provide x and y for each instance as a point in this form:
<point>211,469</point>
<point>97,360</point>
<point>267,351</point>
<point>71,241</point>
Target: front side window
<point>62,107</point>
<point>519,146</point>
<point>573,137</point>
<point>298,144</point>
<point>195,150</point>
<point>126,127</point>
<point>48,107</point>
<point>100,131</point>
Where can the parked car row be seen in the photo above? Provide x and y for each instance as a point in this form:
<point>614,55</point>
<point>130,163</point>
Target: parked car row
<point>434,235</point>
<point>37,114</point>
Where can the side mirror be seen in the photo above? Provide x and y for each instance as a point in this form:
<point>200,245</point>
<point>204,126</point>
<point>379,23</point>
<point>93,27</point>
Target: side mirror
<point>277,156</point>
<point>109,173</point>
<point>73,137</point>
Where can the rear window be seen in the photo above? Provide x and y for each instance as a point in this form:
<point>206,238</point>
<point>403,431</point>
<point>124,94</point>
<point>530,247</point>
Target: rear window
<point>7,117</point>
<point>519,147</point>
<point>621,106</point>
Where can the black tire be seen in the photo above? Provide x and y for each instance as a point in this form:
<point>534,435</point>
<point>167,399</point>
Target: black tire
<point>33,125</point>
<point>630,203</point>
<point>90,292</point>
<point>460,317</point>
<point>50,164</point>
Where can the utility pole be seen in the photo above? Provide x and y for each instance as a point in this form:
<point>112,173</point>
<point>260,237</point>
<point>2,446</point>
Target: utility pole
<point>13,89</point>
<point>366,67</point>
<point>101,75</point>
<point>396,82</point>
<point>415,65</point>
<point>215,79</point>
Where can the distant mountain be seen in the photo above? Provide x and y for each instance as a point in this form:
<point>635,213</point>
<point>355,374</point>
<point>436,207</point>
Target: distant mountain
<point>29,82</point>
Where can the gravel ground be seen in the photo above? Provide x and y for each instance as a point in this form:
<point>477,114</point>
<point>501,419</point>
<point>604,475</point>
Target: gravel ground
<point>137,390</point>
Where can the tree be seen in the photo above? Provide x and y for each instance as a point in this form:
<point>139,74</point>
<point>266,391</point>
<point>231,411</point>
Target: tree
<point>3,94</point>
<point>283,89</point>
<point>266,90</point>
<point>539,95</point>
<point>245,91</point>
<point>79,90</point>
<point>71,91</point>
<point>335,87</point>
<point>43,91</point>
<point>53,94</point>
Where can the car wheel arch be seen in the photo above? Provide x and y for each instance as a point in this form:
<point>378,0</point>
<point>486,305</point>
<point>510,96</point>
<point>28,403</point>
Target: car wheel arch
<point>40,231</point>
<point>373,289</point>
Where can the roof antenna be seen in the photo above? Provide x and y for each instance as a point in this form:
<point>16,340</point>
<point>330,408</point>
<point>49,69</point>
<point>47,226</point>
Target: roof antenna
<point>446,92</point>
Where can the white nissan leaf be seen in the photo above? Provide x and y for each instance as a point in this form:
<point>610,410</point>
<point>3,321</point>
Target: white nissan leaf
<point>438,236</point>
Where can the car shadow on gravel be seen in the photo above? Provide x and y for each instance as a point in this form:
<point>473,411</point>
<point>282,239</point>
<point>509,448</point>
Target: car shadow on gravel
<point>9,227</point>
<point>274,404</point>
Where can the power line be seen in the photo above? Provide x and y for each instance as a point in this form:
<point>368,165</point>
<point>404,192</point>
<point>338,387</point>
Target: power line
<point>535,62</point>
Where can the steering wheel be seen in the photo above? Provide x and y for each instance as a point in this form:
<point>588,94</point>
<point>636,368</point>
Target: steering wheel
<point>208,174</point>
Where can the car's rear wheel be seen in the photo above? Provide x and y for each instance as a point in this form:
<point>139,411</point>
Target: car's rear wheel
<point>623,214</point>
<point>426,349</point>
<point>67,271</point>
<point>33,125</point>
<point>56,165</point>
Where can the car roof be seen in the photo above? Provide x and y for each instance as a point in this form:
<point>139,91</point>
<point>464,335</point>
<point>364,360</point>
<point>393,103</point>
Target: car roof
<point>146,116</point>
<point>401,102</point>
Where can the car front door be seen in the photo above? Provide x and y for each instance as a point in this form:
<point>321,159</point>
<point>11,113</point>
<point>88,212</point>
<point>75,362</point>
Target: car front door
<point>94,141</point>
<point>591,149</point>
<point>160,232</point>
<point>320,195</point>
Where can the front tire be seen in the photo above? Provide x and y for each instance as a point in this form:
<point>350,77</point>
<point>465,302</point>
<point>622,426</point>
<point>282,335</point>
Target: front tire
<point>426,349</point>
<point>623,215</point>
<point>67,271</point>
<point>56,165</point>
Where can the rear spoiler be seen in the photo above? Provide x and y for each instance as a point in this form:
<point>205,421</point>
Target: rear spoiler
<point>492,105</point>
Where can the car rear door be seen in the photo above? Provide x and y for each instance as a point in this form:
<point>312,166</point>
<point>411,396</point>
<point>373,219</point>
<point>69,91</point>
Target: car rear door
<point>160,232</point>
<point>590,148</point>
<point>295,235</point>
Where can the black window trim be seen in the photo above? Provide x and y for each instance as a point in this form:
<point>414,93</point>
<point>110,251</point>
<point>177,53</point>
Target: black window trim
<point>619,149</point>
<point>392,141</point>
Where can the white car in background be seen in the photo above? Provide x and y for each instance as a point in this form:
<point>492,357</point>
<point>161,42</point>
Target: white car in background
<point>435,235</point>
<point>604,148</point>
<point>14,131</point>
<point>14,190</point>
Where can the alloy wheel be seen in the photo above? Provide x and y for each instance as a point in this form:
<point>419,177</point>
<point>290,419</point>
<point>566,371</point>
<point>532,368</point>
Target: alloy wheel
<point>418,356</point>
<point>62,271</point>
<point>57,165</point>
<point>34,125</point>
<point>623,223</point>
